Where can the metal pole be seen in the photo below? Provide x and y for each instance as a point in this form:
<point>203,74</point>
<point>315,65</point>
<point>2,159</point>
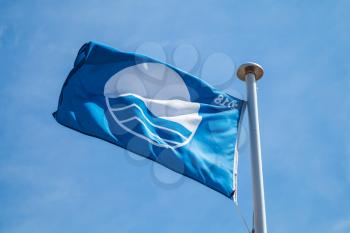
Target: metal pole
<point>250,73</point>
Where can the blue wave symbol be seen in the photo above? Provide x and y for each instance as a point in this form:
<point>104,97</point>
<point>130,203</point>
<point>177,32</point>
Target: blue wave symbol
<point>132,113</point>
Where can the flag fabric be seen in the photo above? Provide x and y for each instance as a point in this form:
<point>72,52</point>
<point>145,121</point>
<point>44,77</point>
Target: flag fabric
<point>154,110</point>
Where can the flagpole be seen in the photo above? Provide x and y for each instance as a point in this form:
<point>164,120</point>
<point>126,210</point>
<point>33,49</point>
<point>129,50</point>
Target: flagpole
<point>250,73</point>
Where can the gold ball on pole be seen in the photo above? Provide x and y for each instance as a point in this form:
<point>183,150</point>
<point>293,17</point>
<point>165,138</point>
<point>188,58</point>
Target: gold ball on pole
<point>250,67</point>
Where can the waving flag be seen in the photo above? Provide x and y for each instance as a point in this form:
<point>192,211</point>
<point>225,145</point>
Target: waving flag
<point>156,111</point>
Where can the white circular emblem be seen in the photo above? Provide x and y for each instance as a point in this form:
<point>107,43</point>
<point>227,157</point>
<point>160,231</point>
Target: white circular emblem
<point>152,102</point>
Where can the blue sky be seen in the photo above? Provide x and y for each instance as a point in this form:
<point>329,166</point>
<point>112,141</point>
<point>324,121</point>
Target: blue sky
<point>53,179</point>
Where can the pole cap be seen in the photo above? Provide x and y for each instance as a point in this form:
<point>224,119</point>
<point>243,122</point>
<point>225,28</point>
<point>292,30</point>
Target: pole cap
<point>250,67</point>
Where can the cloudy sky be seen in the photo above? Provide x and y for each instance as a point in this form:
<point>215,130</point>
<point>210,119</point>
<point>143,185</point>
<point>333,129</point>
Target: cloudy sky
<point>53,179</point>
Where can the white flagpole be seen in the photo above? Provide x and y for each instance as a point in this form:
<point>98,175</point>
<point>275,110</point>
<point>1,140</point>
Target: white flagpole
<point>250,73</point>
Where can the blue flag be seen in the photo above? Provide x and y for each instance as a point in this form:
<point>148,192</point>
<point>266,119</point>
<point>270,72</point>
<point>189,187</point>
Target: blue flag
<point>154,110</point>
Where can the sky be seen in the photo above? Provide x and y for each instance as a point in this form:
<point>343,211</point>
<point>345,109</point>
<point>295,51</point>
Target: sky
<point>53,179</point>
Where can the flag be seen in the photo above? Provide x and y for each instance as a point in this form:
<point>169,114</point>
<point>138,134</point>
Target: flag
<point>154,110</point>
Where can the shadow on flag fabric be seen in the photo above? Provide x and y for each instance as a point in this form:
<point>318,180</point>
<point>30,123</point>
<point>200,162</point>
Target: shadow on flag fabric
<point>154,110</point>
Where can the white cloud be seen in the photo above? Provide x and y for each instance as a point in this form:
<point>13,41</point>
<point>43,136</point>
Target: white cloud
<point>342,226</point>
